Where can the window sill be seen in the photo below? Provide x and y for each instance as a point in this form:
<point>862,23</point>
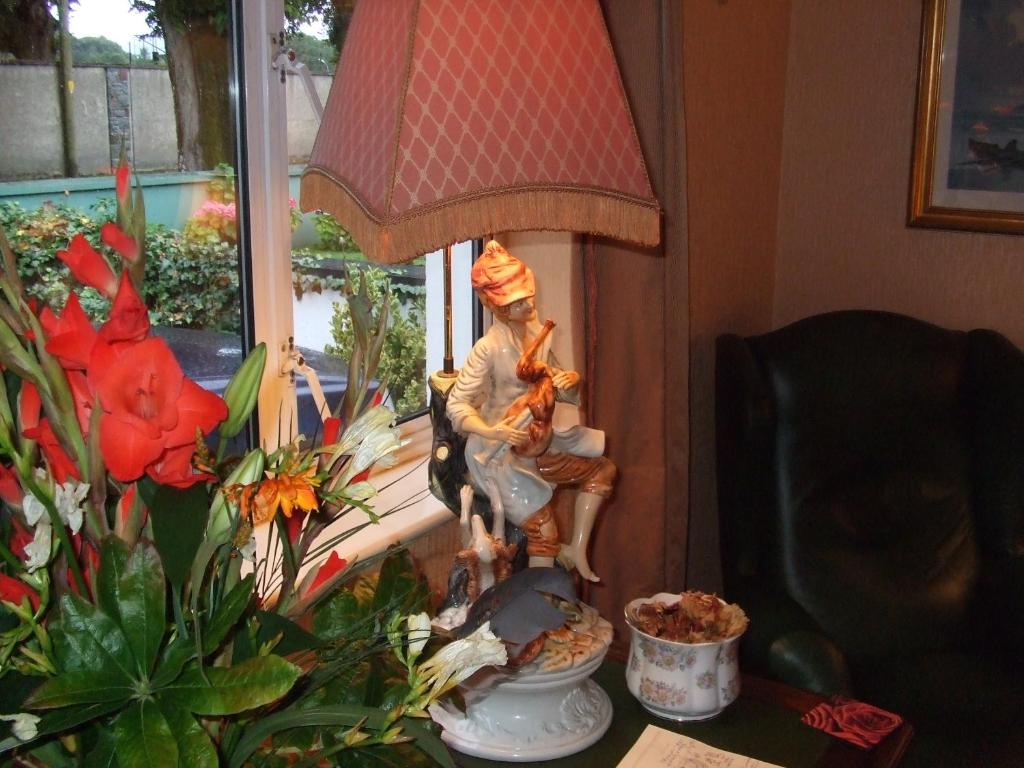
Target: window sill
<point>407,508</point>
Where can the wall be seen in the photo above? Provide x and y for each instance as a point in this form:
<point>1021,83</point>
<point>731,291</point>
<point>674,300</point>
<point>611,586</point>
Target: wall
<point>734,69</point>
<point>849,126</point>
<point>110,103</point>
<point>30,121</point>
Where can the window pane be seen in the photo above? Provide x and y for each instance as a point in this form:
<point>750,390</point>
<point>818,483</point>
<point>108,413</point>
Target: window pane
<point>165,100</point>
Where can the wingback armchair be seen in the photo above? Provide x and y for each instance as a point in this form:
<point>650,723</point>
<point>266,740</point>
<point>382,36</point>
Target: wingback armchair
<point>871,508</point>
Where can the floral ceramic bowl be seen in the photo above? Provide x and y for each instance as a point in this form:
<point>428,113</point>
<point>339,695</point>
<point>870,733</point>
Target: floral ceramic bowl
<point>680,681</point>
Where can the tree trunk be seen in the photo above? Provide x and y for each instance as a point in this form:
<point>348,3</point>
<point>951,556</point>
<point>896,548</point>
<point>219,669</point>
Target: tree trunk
<point>198,62</point>
<point>27,30</point>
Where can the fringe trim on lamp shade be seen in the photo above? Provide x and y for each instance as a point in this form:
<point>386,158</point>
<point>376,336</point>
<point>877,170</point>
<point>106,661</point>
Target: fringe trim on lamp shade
<point>512,209</point>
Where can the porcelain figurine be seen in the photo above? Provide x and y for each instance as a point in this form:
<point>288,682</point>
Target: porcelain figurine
<point>502,401</point>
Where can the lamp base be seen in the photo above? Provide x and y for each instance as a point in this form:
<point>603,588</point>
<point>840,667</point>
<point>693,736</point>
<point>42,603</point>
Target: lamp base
<point>528,715</point>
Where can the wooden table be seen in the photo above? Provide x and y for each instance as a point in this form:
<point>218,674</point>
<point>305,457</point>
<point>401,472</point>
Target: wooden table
<point>763,723</point>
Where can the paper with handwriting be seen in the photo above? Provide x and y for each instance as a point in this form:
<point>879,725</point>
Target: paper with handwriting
<point>658,748</point>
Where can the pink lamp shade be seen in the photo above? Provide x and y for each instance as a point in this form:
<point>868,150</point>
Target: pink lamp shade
<point>451,119</point>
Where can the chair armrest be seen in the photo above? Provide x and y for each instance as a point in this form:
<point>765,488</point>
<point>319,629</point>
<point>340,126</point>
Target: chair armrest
<point>809,660</point>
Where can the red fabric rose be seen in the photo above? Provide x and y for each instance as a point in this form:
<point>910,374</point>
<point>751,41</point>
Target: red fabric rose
<point>13,590</point>
<point>864,721</point>
<point>149,408</point>
<point>125,245</point>
<point>860,724</point>
<point>70,336</point>
<point>88,266</point>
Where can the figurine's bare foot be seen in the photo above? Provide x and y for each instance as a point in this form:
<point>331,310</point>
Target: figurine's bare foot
<point>571,557</point>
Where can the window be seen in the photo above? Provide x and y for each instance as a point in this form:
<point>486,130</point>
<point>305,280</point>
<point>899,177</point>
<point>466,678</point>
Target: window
<point>127,86</point>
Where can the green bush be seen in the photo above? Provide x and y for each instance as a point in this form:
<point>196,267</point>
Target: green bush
<point>188,285</point>
<point>403,358</point>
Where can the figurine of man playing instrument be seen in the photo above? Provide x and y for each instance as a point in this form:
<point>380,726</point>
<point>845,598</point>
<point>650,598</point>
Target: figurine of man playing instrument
<point>502,400</point>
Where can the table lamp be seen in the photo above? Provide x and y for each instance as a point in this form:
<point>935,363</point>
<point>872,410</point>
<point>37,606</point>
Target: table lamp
<point>451,119</point>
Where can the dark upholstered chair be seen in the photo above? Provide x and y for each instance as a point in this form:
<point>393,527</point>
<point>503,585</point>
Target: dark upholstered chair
<point>871,505</point>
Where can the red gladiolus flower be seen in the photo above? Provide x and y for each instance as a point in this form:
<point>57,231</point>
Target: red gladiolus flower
<point>129,316</point>
<point>175,467</point>
<point>332,430</point>
<point>29,406</point>
<point>13,590</point>
<point>88,266</point>
<point>10,488</point>
<point>149,407</point>
<point>21,537</point>
<point>71,336</point>
<point>61,465</point>
<point>125,245</point>
<point>331,566</point>
<point>83,396</point>
<point>293,526</point>
<point>121,181</point>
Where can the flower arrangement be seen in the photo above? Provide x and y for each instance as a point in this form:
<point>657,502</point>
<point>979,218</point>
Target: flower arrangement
<point>138,622</point>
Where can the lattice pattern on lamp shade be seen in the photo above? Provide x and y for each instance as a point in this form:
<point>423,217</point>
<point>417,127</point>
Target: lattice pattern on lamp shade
<point>450,119</point>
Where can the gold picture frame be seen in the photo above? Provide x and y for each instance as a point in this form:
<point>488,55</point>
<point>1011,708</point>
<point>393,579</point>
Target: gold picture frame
<point>968,172</point>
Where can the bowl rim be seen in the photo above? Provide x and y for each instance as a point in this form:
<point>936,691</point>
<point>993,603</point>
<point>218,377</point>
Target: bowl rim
<point>670,598</point>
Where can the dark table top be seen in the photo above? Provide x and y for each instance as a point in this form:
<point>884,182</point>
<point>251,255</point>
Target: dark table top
<point>763,723</point>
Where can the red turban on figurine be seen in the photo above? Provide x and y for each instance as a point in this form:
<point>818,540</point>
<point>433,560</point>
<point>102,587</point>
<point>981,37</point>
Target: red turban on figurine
<point>501,277</point>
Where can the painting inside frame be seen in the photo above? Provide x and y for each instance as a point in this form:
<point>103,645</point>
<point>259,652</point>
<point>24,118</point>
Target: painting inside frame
<point>969,153</point>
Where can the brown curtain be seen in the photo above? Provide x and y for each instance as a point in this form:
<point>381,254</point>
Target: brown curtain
<point>637,334</point>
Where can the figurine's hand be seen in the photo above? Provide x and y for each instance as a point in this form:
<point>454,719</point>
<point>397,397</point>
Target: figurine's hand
<point>507,433</point>
<point>565,380</point>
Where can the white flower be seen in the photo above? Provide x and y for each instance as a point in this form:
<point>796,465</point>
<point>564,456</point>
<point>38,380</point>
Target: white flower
<point>360,491</point>
<point>37,551</point>
<point>34,509</point>
<point>460,659</point>
<point>68,498</point>
<point>24,727</point>
<point>248,551</point>
<point>419,632</point>
<point>373,420</point>
<point>376,448</point>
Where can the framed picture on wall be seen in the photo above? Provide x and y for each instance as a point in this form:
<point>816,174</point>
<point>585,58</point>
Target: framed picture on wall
<point>968,166</point>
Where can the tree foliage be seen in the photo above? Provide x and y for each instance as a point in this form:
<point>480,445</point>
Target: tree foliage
<point>27,30</point>
<point>98,50</point>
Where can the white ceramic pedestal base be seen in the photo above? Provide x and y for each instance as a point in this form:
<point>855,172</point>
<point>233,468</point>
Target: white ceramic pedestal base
<point>530,715</point>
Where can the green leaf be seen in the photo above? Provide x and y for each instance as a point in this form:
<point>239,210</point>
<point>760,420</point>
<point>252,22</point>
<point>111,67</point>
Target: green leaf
<point>144,739</point>
<point>335,617</point>
<point>427,740</point>
<point>195,749</point>
<point>80,687</point>
<point>143,604</point>
<point>88,640</point>
<point>293,637</point>
<point>104,754</point>
<point>344,716</point>
<point>64,719</point>
<point>227,615</point>
<point>113,561</point>
<point>230,690</point>
<point>398,586</point>
<point>179,520</point>
<point>179,652</point>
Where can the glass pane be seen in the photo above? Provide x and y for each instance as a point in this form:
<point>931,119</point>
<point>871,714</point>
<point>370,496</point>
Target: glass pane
<point>324,257</point>
<point>165,100</point>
